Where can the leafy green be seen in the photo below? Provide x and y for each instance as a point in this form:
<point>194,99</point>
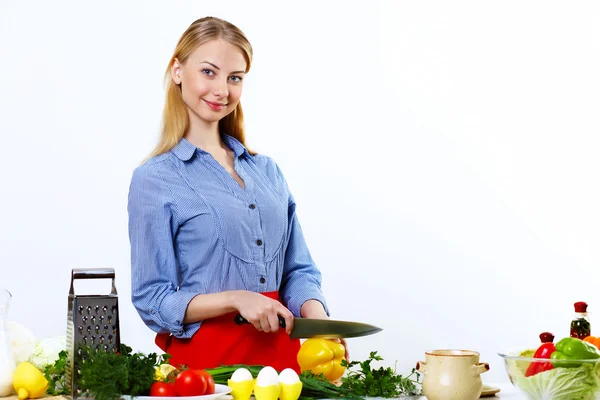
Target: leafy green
<point>313,386</point>
<point>56,374</point>
<point>107,375</point>
<point>381,382</point>
<point>581,383</point>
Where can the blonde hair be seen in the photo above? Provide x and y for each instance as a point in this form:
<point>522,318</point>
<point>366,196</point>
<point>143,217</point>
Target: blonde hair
<point>175,120</point>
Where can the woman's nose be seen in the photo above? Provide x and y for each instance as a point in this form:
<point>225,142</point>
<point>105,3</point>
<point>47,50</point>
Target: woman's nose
<point>220,88</point>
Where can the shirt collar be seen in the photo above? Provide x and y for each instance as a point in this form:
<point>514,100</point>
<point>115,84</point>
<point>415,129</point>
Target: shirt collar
<point>235,145</point>
<point>184,150</point>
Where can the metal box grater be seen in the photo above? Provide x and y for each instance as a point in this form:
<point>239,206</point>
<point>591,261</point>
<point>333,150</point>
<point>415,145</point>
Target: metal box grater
<point>92,320</point>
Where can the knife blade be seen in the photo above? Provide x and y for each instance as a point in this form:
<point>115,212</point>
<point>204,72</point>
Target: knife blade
<point>305,328</point>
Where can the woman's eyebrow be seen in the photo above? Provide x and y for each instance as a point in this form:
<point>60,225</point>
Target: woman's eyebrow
<point>217,68</point>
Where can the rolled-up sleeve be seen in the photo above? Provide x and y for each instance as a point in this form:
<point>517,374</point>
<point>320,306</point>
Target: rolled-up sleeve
<point>301,279</point>
<point>154,276</point>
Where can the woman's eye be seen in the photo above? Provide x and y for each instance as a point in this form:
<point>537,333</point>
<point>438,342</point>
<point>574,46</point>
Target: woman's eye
<point>236,79</point>
<point>208,72</point>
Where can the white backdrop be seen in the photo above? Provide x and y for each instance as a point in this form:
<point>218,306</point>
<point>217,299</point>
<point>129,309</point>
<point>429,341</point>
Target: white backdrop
<point>444,157</point>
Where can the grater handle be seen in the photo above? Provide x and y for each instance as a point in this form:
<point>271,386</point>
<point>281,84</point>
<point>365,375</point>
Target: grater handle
<point>93,273</point>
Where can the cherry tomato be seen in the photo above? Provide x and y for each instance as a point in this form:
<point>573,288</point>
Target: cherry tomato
<point>163,389</point>
<point>189,383</point>
<point>208,378</point>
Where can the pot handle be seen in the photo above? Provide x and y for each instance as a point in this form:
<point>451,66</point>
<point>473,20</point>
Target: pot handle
<point>481,368</point>
<point>422,367</point>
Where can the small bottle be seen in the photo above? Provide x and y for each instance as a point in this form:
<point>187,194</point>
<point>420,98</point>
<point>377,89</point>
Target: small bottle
<point>580,326</point>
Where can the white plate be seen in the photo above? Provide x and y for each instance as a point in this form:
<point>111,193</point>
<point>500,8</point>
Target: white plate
<point>220,390</point>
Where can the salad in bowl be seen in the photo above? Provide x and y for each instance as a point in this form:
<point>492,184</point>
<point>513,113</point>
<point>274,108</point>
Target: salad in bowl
<point>566,370</point>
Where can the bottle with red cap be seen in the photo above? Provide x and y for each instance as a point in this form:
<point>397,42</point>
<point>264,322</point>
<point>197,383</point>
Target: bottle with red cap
<point>580,326</point>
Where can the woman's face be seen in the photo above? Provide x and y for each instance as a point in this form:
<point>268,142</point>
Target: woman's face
<point>211,80</point>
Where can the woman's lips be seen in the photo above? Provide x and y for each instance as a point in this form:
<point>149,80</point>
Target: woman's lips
<point>215,106</point>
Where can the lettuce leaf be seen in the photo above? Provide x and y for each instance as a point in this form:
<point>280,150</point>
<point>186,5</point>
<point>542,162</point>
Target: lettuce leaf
<point>581,383</point>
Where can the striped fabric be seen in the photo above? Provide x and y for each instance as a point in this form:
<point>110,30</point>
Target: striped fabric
<point>193,229</point>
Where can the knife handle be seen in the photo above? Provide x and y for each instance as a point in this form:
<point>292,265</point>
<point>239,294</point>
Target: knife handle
<point>239,320</point>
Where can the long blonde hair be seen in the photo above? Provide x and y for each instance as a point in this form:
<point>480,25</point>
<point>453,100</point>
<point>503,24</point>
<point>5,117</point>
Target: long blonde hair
<point>175,120</point>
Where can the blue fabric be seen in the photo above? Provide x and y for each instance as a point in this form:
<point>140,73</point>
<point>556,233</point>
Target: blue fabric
<point>194,230</point>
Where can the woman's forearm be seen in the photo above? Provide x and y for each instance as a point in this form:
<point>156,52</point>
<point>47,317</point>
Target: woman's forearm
<point>205,306</point>
<point>313,309</point>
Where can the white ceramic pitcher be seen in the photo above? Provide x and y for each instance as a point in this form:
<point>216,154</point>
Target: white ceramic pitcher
<point>452,374</point>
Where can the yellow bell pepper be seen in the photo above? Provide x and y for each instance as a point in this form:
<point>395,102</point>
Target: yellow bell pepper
<point>322,356</point>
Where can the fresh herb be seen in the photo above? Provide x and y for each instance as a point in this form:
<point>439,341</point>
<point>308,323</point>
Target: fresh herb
<point>313,386</point>
<point>107,375</point>
<point>56,375</point>
<point>381,382</point>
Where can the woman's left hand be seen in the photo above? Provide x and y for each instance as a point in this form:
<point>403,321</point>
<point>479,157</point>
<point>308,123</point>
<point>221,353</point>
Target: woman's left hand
<point>314,309</point>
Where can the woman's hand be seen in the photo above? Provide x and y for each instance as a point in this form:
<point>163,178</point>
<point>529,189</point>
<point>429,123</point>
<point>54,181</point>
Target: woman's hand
<point>262,312</point>
<point>314,309</point>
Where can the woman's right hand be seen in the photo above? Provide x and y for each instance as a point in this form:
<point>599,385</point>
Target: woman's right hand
<point>263,312</point>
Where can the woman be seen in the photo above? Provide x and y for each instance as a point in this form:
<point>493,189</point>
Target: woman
<point>212,225</point>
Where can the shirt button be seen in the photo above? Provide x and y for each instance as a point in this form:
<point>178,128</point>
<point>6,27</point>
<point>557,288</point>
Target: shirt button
<point>252,206</point>
<point>259,242</point>
<point>262,280</point>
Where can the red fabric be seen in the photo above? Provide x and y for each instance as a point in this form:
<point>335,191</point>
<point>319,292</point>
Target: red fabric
<point>220,341</point>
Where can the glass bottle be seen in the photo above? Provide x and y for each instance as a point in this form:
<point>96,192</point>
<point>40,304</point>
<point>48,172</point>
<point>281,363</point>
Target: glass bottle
<point>7,361</point>
<point>580,326</point>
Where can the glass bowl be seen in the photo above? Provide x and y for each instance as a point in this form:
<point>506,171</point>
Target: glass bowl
<point>544,379</point>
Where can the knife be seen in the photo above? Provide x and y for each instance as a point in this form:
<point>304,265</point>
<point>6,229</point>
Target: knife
<point>322,328</point>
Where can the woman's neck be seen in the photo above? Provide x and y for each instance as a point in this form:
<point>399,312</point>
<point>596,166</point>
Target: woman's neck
<point>204,136</point>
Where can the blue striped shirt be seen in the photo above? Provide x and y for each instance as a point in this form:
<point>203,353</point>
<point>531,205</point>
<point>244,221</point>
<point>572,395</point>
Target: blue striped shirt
<point>193,230</point>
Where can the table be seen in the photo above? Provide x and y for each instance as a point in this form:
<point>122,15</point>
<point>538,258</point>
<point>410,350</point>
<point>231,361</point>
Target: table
<point>507,392</point>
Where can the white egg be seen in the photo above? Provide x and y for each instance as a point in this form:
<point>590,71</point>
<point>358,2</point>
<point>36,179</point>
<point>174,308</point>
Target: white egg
<point>267,377</point>
<point>288,376</point>
<point>241,375</point>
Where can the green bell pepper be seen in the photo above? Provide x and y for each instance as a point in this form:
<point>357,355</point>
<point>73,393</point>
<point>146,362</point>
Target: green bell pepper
<point>571,348</point>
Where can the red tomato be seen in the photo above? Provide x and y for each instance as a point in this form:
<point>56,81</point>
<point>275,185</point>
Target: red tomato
<point>162,389</point>
<point>189,383</point>
<point>208,378</point>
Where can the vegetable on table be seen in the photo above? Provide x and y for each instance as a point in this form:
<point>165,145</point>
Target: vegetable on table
<point>189,383</point>
<point>559,383</point>
<point>544,351</point>
<point>380,382</point>
<point>313,386</point>
<point>29,382</point>
<point>595,340</point>
<point>108,375</point>
<point>322,356</point>
<point>571,348</point>
<point>163,389</point>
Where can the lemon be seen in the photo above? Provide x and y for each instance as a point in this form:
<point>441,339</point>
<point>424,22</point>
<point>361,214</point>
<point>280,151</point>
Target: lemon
<point>162,371</point>
<point>29,382</point>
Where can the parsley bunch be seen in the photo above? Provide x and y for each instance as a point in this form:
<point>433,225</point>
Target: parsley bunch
<point>381,382</point>
<point>56,374</point>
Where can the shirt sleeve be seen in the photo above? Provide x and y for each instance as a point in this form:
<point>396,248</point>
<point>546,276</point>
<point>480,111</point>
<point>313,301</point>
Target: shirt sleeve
<point>154,276</point>
<point>301,278</point>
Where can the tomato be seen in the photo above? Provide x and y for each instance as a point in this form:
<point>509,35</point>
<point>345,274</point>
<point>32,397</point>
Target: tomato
<point>162,389</point>
<point>208,378</point>
<point>189,383</point>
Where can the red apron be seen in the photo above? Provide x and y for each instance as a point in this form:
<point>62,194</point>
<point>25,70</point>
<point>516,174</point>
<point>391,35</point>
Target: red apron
<point>220,341</point>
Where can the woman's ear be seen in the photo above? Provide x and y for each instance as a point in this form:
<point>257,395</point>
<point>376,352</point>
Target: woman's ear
<point>176,72</point>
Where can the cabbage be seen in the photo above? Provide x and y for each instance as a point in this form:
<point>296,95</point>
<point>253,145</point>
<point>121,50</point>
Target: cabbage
<point>46,351</point>
<point>579,383</point>
<point>22,341</point>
